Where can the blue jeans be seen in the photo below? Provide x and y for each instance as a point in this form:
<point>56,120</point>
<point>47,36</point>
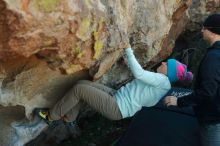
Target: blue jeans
<point>210,134</point>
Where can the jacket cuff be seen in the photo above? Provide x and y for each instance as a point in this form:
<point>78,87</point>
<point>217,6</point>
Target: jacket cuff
<point>129,51</point>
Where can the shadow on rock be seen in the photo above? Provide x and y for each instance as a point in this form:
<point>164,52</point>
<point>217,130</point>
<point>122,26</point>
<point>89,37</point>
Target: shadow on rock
<point>54,134</point>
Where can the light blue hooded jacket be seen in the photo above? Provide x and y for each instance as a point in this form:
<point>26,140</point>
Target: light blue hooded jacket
<point>145,90</point>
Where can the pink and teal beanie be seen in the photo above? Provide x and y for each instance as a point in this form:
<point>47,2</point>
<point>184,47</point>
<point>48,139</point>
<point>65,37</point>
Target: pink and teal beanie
<point>178,71</point>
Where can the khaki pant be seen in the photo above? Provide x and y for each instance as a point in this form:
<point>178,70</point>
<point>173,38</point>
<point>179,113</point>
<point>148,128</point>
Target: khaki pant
<point>97,96</point>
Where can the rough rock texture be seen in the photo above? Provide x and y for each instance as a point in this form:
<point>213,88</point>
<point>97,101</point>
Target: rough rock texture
<point>73,35</point>
<point>47,45</point>
<point>200,9</point>
<point>8,115</point>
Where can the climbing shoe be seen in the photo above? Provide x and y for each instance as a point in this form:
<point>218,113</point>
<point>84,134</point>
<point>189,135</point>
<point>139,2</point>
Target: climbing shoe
<point>43,113</point>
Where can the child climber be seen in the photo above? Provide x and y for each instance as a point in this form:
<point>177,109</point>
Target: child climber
<point>146,89</point>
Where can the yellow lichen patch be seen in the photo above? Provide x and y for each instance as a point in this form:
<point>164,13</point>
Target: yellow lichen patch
<point>73,68</point>
<point>80,55</point>
<point>47,5</point>
<point>84,29</point>
<point>98,46</point>
<point>77,51</point>
<point>98,49</point>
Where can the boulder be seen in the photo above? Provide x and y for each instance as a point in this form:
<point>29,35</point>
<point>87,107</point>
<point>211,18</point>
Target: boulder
<point>48,45</point>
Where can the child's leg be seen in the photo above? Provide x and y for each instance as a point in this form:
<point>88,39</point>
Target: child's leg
<point>98,86</point>
<point>96,98</point>
<point>73,113</point>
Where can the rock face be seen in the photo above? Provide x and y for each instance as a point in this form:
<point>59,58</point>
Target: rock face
<point>47,45</point>
<point>200,9</point>
<point>73,35</point>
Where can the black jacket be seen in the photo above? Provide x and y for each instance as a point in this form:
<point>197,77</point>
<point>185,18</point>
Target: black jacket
<point>206,95</point>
